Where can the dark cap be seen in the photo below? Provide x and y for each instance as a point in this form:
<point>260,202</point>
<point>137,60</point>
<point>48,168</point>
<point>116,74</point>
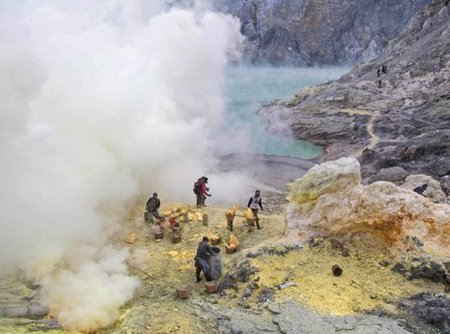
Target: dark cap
<point>205,238</point>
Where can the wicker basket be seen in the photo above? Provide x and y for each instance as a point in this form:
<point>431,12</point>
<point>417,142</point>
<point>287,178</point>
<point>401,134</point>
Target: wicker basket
<point>176,238</point>
<point>212,286</point>
<point>183,293</point>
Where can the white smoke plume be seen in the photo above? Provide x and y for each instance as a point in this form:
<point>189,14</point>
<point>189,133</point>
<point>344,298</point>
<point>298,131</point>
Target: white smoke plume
<point>101,102</point>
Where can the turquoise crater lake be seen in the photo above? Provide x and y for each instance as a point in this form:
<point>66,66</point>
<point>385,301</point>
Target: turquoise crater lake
<point>250,87</point>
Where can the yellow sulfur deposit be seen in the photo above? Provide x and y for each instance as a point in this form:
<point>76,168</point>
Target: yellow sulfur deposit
<point>233,245</point>
<point>177,212</point>
<point>249,214</point>
<point>172,253</point>
<point>186,267</point>
<point>180,255</point>
<point>232,211</point>
<point>363,286</point>
<point>214,238</point>
<point>131,239</point>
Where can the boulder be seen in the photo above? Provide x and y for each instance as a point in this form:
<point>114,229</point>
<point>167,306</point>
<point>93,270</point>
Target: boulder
<point>391,174</point>
<point>329,177</point>
<point>428,270</point>
<point>433,192</point>
<point>445,184</point>
<point>329,200</point>
<point>434,310</point>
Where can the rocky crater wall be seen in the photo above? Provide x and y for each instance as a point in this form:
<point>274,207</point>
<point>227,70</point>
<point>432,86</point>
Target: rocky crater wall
<point>307,32</point>
<point>396,122</point>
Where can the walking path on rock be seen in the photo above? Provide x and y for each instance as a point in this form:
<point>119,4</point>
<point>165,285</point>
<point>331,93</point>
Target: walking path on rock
<point>370,128</point>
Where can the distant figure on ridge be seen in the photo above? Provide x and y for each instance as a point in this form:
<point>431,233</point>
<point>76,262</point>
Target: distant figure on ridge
<point>378,72</point>
<point>421,189</point>
<point>255,203</point>
<point>384,69</point>
<point>204,252</point>
<point>380,83</point>
<point>152,208</point>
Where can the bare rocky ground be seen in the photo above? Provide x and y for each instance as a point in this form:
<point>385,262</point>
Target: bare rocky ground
<point>268,286</point>
<point>162,268</point>
<point>404,123</point>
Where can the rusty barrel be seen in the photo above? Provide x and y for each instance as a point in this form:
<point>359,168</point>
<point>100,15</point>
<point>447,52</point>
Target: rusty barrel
<point>215,264</point>
<point>337,271</point>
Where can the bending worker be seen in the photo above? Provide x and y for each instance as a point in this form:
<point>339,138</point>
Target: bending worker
<point>204,252</point>
<point>152,208</point>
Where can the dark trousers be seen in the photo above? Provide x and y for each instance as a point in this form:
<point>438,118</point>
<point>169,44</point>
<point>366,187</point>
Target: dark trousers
<point>255,213</point>
<point>149,215</point>
<point>198,270</point>
<point>201,200</point>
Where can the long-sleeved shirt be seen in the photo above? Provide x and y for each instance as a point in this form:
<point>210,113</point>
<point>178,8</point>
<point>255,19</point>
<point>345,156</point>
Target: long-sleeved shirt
<point>153,204</point>
<point>254,202</point>
<point>203,189</point>
<point>204,251</point>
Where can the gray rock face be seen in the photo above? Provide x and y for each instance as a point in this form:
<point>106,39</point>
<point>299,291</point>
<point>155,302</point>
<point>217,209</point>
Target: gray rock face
<point>432,271</point>
<point>403,122</point>
<point>422,268</point>
<point>295,319</point>
<point>292,318</point>
<point>445,184</point>
<point>319,31</point>
<point>392,174</point>
<point>427,312</point>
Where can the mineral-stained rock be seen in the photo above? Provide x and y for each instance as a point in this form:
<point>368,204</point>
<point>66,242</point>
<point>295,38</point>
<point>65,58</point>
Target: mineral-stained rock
<point>329,200</point>
<point>329,177</point>
<point>241,272</point>
<point>266,295</point>
<point>399,268</point>
<point>273,250</point>
<point>428,270</point>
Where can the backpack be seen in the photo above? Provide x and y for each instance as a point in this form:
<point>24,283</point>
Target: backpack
<point>151,204</point>
<point>197,187</point>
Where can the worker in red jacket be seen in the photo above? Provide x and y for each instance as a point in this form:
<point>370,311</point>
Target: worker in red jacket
<point>203,191</point>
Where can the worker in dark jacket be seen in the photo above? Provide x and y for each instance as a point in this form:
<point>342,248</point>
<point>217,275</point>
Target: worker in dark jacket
<point>152,208</point>
<point>204,252</point>
<point>255,203</point>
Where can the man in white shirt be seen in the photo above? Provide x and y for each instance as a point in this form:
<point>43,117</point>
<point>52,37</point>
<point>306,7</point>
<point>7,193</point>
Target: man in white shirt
<point>254,203</point>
